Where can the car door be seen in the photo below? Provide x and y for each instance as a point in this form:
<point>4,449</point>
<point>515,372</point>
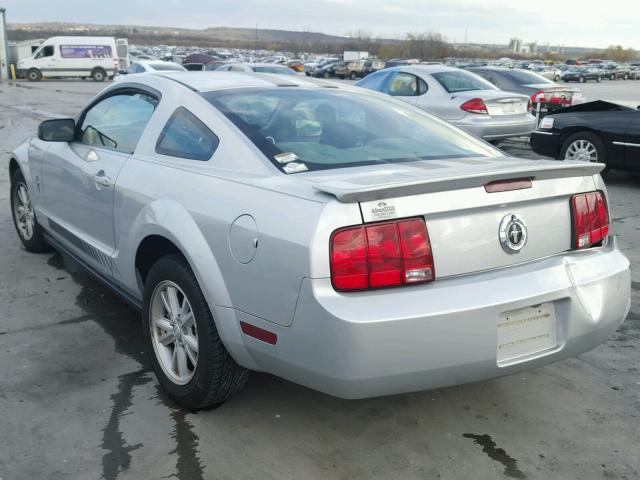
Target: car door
<point>46,60</point>
<point>79,177</point>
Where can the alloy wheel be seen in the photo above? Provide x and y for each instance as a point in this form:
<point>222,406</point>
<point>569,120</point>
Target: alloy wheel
<point>23,211</point>
<point>174,333</point>
<point>582,150</point>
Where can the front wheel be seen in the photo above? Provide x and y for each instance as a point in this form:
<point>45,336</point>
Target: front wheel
<point>24,218</point>
<point>598,79</point>
<point>189,359</point>
<point>353,76</point>
<point>34,75</point>
<point>99,75</point>
<point>581,79</point>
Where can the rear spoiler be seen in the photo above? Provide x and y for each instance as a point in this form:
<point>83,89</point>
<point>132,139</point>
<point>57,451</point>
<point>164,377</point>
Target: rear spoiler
<point>348,192</point>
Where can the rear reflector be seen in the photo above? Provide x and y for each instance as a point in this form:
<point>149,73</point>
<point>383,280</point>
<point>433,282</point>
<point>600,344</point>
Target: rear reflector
<point>259,333</point>
<point>377,255</point>
<point>508,185</point>
<point>590,219</point>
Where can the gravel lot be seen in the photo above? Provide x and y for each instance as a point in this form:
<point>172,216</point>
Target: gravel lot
<point>78,398</point>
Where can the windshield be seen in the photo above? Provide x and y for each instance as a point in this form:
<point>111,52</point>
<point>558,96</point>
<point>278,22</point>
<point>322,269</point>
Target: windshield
<point>316,129</point>
<point>462,81</point>
<point>167,67</point>
<point>522,77</point>
<point>274,69</point>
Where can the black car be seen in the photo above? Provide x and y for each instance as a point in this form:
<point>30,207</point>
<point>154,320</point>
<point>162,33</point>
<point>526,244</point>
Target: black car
<point>595,132</point>
<point>329,70</point>
<point>615,72</point>
<point>549,95</point>
<point>581,75</point>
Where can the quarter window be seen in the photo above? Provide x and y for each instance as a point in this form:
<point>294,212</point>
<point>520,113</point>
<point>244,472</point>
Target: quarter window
<point>117,122</point>
<point>407,85</point>
<point>185,136</point>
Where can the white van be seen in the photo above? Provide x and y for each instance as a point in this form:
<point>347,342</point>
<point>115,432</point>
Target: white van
<point>94,57</point>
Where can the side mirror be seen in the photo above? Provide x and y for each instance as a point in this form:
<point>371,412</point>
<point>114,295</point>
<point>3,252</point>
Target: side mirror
<point>57,130</point>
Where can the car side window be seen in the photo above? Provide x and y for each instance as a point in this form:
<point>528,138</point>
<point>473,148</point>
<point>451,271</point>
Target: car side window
<point>374,81</point>
<point>117,122</point>
<point>406,85</point>
<point>47,51</point>
<point>237,68</point>
<point>135,68</point>
<point>185,136</point>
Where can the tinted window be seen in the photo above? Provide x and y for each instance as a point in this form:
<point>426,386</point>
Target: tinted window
<point>374,81</point>
<point>193,67</point>
<point>405,85</point>
<point>167,67</point>
<point>47,51</point>
<point>185,136</point>
<point>274,69</point>
<point>315,129</point>
<point>117,121</point>
<point>461,81</point>
<point>85,51</point>
<point>522,77</point>
<point>135,68</point>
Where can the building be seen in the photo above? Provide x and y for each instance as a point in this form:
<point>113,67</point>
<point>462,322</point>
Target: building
<point>23,49</point>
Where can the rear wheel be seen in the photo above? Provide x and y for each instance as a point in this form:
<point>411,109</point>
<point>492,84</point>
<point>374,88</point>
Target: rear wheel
<point>581,80</point>
<point>98,75</point>
<point>585,147</point>
<point>613,77</point>
<point>353,76</point>
<point>598,79</point>
<point>34,75</point>
<point>189,359</point>
<point>24,218</point>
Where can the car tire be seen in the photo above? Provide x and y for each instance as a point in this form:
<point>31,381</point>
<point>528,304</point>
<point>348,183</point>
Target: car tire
<point>215,377</point>
<point>590,138</point>
<point>556,78</point>
<point>581,79</point>
<point>353,76</point>
<point>613,77</point>
<point>98,75</point>
<point>34,75</point>
<point>327,75</point>
<point>27,227</point>
<point>626,76</point>
<point>598,79</point>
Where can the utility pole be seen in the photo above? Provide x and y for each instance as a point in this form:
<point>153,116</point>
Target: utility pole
<point>465,37</point>
<point>4,60</point>
<point>255,42</point>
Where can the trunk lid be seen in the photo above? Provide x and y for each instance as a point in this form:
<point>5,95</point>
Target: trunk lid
<point>498,103</point>
<point>462,218</point>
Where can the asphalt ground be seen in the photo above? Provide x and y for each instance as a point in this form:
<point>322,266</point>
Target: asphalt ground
<point>78,399</point>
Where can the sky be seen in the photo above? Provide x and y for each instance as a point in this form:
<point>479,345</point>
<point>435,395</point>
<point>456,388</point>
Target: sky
<point>581,23</point>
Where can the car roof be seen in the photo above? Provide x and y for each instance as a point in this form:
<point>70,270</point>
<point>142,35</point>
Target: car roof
<point>212,80</point>
<point>426,69</point>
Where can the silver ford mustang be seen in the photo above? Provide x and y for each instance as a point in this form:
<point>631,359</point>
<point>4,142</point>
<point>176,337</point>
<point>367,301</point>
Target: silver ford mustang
<point>335,237</point>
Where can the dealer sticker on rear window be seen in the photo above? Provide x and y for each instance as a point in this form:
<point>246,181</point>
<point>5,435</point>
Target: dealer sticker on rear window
<point>383,211</point>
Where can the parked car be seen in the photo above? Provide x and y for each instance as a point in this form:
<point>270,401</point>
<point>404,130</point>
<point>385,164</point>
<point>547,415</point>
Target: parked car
<point>548,72</point>
<point>311,67</point>
<point>597,131</point>
<point>257,68</point>
<point>614,71</point>
<point>295,65</point>
<point>549,95</point>
<point>334,237</point>
<point>330,70</point>
<point>371,66</point>
<point>458,96</point>
<point>204,67</point>
<point>149,66</point>
<point>84,57</point>
<point>582,74</point>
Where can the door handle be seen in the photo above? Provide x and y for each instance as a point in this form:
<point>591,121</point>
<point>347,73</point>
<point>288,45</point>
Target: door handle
<point>101,179</point>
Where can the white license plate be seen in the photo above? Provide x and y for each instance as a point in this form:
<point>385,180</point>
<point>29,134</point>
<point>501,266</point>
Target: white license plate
<point>525,332</point>
<point>508,107</point>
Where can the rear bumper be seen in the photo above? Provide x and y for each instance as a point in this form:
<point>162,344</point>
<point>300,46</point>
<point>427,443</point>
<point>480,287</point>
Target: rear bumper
<point>494,128</point>
<point>546,143</point>
<point>445,333</point>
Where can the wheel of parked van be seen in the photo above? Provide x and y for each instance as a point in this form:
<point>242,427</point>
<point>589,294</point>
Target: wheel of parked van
<point>353,76</point>
<point>98,75</point>
<point>188,357</point>
<point>34,75</point>
<point>24,218</point>
<point>585,147</point>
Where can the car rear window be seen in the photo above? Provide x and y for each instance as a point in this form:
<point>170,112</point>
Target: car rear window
<point>462,81</point>
<point>315,129</point>
<point>522,77</point>
<point>274,69</point>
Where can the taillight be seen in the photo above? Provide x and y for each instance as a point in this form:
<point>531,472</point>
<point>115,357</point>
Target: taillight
<point>475,105</point>
<point>538,97</point>
<point>377,255</point>
<point>590,219</point>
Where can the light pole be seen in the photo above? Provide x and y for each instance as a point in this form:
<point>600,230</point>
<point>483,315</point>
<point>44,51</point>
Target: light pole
<point>4,67</point>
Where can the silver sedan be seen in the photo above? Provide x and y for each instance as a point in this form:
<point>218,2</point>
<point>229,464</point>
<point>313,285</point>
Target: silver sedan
<point>460,97</point>
<point>329,235</point>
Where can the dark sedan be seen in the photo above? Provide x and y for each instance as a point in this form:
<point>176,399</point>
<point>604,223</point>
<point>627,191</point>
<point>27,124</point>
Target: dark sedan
<point>597,131</point>
<point>549,95</point>
<point>581,75</point>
